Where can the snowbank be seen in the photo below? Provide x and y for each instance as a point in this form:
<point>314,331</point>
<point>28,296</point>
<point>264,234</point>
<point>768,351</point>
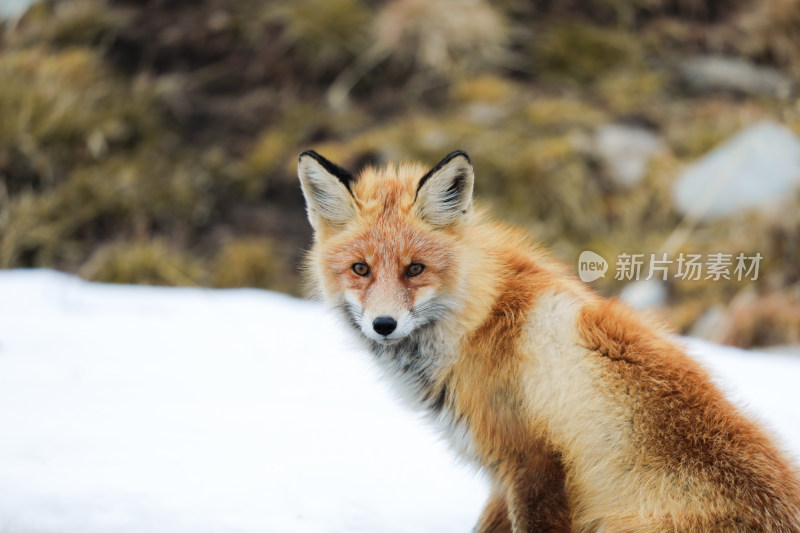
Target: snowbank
<point>132,409</point>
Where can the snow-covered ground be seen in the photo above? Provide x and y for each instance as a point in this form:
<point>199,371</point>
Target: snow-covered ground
<point>130,409</point>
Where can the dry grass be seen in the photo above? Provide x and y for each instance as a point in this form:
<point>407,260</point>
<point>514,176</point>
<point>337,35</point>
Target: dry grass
<point>157,143</point>
<point>324,35</point>
<point>253,262</point>
<point>762,320</point>
<point>769,31</point>
<point>449,37</point>
<point>583,53</point>
<point>147,263</point>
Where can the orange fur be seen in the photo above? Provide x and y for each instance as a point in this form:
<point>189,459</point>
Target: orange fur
<point>585,417</point>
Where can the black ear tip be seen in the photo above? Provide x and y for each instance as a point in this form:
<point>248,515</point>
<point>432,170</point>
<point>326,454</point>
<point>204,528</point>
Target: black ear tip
<point>309,153</point>
<point>458,153</point>
<point>345,176</point>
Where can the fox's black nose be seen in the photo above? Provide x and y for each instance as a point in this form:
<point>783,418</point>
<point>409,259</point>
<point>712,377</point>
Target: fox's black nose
<point>384,325</point>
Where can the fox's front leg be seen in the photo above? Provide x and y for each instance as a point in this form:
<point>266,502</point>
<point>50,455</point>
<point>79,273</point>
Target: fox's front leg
<point>494,518</point>
<point>533,502</point>
<point>528,497</point>
<point>537,500</point>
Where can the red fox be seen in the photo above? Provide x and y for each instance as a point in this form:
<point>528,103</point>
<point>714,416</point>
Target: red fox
<point>584,417</point>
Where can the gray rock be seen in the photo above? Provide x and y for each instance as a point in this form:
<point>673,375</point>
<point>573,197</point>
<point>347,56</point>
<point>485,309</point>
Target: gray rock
<point>11,8</point>
<point>755,170</point>
<point>644,294</point>
<point>485,114</point>
<point>731,74</point>
<point>626,151</point>
<point>709,324</point>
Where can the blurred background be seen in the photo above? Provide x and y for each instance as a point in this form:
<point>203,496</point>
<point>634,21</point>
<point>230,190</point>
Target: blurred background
<point>155,142</point>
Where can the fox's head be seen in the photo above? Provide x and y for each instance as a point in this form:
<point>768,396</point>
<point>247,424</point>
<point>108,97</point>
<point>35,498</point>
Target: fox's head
<point>386,240</point>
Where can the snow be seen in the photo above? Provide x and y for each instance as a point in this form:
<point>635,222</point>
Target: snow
<point>129,409</point>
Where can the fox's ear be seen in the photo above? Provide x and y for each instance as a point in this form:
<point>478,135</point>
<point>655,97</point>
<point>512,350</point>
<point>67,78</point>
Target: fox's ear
<point>444,194</point>
<point>326,187</point>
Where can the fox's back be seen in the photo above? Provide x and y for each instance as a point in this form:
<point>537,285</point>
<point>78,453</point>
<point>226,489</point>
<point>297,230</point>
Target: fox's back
<point>649,442</point>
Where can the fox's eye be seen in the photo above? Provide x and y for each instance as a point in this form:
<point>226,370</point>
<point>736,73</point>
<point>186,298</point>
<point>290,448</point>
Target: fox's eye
<point>361,269</point>
<point>415,270</point>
